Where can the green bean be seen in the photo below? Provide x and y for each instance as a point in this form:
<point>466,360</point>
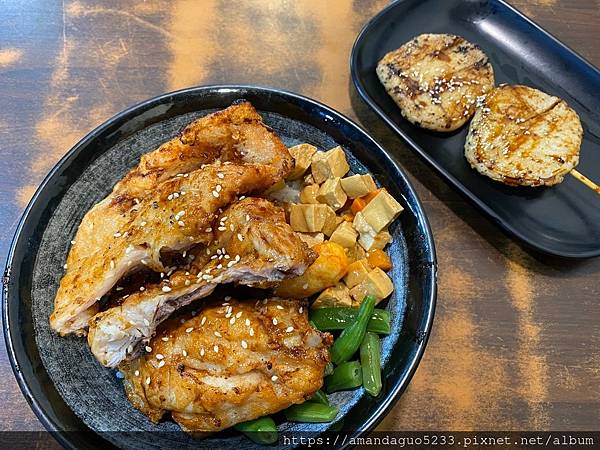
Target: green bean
<point>262,430</point>
<point>347,375</point>
<point>346,345</point>
<point>319,397</point>
<point>311,412</point>
<point>370,361</point>
<point>328,369</point>
<point>331,319</point>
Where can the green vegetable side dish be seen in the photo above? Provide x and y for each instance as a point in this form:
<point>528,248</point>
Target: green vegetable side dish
<point>332,319</point>
<point>370,360</point>
<point>262,430</point>
<point>319,397</point>
<point>311,412</point>
<point>347,375</point>
<point>345,346</point>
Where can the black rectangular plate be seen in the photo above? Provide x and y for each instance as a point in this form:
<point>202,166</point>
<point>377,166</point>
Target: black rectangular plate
<point>562,220</point>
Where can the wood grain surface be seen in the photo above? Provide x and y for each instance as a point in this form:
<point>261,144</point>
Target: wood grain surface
<point>516,339</point>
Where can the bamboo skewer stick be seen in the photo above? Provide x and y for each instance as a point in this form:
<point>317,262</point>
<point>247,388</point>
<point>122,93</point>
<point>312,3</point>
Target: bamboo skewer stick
<point>585,180</point>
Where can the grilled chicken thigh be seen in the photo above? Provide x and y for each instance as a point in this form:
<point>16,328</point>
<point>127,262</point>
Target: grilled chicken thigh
<point>176,217</point>
<point>229,363</point>
<point>253,244</point>
<point>136,221</point>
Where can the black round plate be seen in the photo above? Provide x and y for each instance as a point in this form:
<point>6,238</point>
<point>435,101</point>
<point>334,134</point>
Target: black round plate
<point>82,402</point>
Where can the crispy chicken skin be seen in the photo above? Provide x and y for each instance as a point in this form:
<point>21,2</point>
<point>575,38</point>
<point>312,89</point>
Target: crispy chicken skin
<point>136,221</point>
<point>253,244</point>
<point>231,362</point>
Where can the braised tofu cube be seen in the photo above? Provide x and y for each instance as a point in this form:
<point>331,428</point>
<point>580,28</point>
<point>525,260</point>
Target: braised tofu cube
<point>337,296</point>
<point>373,242</point>
<point>376,283</point>
<point>357,272</point>
<point>356,252</point>
<point>302,155</point>
<point>344,234</point>
<point>312,239</point>
<point>329,164</point>
<point>381,211</point>
<point>332,194</point>
<point>331,224</point>
<point>358,185</point>
<point>310,218</point>
<point>308,194</point>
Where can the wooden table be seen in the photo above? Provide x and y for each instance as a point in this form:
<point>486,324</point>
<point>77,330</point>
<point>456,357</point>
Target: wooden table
<point>516,339</point>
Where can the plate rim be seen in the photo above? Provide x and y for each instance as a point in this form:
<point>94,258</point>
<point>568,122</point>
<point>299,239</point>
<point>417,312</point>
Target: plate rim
<point>440,171</point>
<point>430,265</point>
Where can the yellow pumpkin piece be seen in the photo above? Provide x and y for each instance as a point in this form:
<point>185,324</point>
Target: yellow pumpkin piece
<point>329,268</point>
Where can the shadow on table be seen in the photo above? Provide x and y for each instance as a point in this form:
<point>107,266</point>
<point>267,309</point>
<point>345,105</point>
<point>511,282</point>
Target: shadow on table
<point>511,248</point>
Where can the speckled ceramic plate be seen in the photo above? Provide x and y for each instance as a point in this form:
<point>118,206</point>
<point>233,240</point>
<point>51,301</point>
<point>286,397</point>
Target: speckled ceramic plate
<point>84,402</point>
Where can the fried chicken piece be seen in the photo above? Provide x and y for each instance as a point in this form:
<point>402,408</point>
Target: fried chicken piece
<point>253,244</point>
<point>236,134</point>
<point>229,363</point>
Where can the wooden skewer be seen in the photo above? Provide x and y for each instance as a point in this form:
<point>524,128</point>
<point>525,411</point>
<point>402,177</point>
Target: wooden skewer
<point>585,180</point>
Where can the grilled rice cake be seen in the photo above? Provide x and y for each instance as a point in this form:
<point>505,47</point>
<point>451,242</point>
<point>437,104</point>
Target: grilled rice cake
<point>523,136</point>
<point>436,80</point>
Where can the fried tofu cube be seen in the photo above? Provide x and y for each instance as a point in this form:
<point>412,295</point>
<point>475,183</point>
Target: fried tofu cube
<point>337,296</point>
<point>376,242</point>
<point>332,194</point>
<point>312,239</point>
<point>310,218</point>
<point>381,211</point>
<point>377,283</point>
<point>357,272</point>
<point>358,185</point>
<point>356,252</point>
<point>308,194</point>
<point>302,155</point>
<point>331,224</point>
<point>344,234</point>
<point>329,164</point>
<point>368,238</point>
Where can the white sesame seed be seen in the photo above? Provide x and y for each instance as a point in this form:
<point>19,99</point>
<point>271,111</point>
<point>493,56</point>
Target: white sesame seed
<point>300,310</point>
<point>305,286</point>
<point>244,344</point>
<point>247,217</point>
<point>148,348</point>
<point>181,223</point>
<point>142,288</point>
<point>203,321</point>
<point>240,237</point>
<point>148,380</point>
<point>231,264</point>
<point>72,242</point>
<point>119,288</point>
<point>189,330</point>
<point>137,373</point>
<point>242,197</point>
<point>184,353</point>
<point>112,264</point>
<point>220,175</point>
<point>187,282</point>
<point>202,352</point>
<point>247,322</point>
<point>166,289</point>
<point>232,321</point>
<point>165,339</point>
<point>251,331</point>
<point>289,329</point>
<point>208,230</point>
<point>144,262</point>
<point>274,378</point>
<point>274,321</point>
<point>217,334</point>
<point>117,235</point>
<point>238,315</point>
<point>159,356</point>
<point>279,307</point>
<point>215,194</point>
<point>231,227</point>
<point>216,349</point>
<point>221,228</point>
<point>218,188</point>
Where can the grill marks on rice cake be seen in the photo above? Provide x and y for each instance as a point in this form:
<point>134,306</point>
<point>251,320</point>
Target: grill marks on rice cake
<point>436,80</point>
<point>523,136</point>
